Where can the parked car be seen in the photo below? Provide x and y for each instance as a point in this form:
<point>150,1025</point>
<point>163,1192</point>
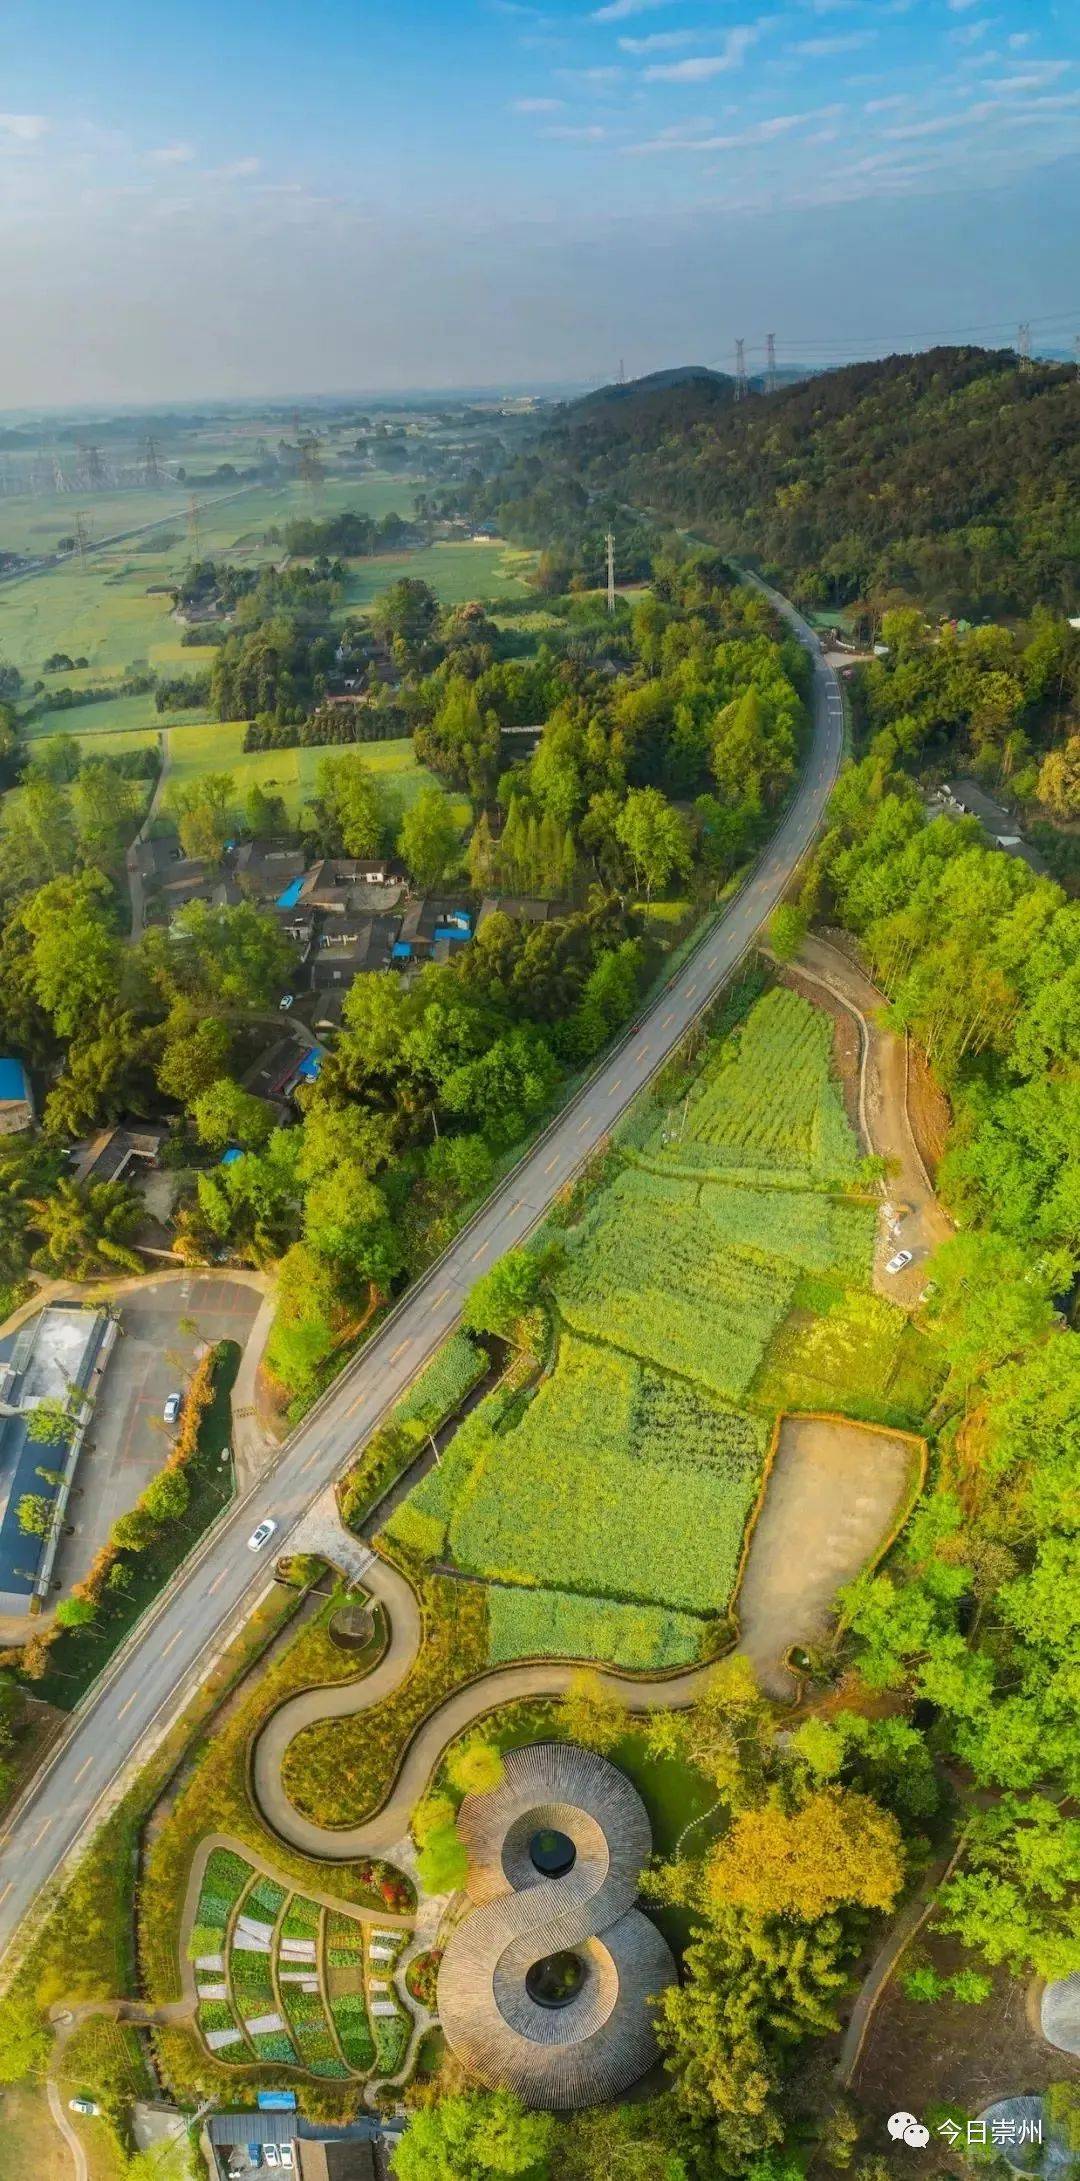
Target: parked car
<point>287,2158</point>
<point>286,1001</point>
<point>271,2154</point>
<point>173,1405</point>
<point>262,1535</point>
<point>900,1261</point>
<point>83,2105</point>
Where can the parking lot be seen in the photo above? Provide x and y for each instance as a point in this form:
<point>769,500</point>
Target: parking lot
<point>164,1326</point>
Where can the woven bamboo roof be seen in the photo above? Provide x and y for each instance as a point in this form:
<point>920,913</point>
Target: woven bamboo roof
<point>592,2048</point>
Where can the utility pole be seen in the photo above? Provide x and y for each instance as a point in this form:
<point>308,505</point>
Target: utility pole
<point>193,525</point>
<point>770,362</point>
<point>82,540</point>
<point>742,383</point>
<point>610,572</point>
<point>1023,346</point>
<point>622,372</point>
<point>151,466</point>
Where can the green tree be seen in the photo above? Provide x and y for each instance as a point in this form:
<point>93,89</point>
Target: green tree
<point>35,1514</point>
<point>655,837</point>
<point>204,813</point>
<point>227,1114</point>
<point>76,1612</point>
<point>787,930</point>
<point>105,805</point>
<point>352,803</point>
<point>476,1768</point>
<point>429,840</point>
<point>87,1230</point>
<point>502,1296</point>
<point>76,952</point>
<point>593,1714</point>
<point>196,1054</point>
<point>463,2138</point>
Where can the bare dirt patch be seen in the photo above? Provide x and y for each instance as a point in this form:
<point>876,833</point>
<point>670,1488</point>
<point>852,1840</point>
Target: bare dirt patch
<point>918,2055</point>
<point>928,1110</point>
<point>834,1493</point>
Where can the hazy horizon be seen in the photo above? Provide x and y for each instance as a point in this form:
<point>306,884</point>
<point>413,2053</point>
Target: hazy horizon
<point>522,196</point>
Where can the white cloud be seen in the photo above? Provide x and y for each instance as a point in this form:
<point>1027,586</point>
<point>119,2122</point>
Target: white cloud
<point>1032,79</point>
<point>825,48</point>
<point>701,66</point>
<point>760,132</point>
<point>887,105</point>
<point>24,128</point>
<point>1018,39</point>
<point>907,131</point>
<point>172,155</point>
<point>660,41</point>
<point>960,7</point>
<point>538,106</point>
<point>591,134</point>
<point>599,78</point>
<point>972,32</point>
<point>617,11</point>
<point>237,170</point>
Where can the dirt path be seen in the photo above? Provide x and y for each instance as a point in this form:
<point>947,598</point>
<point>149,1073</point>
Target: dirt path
<point>920,1224</point>
<point>59,2114</point>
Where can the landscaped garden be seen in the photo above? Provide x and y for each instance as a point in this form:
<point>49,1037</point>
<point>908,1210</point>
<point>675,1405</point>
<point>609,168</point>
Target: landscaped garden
<point>280,1978</point>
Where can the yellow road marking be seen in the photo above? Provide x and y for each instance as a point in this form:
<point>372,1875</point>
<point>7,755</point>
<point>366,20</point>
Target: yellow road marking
<point>7,1889</point>
<point>172,1643</point>
<point>41,1835</point>
<point>82,1768</point>
<point>128,1705</point>
<point>217,1582</point>
<point>551,1164</point>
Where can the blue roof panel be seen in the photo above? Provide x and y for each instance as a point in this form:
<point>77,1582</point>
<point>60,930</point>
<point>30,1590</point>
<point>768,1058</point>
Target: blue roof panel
<point>13,1083</point>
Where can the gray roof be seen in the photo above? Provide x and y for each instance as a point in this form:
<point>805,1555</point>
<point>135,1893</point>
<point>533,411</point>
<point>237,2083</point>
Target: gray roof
<point>593,2048</point>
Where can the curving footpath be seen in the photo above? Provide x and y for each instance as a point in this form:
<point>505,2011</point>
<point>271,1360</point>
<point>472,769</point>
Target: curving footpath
<point>385,1831</point>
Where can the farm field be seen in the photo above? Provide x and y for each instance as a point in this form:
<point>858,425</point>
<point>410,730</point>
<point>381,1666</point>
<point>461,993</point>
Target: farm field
<point>101,612</point>
<point>217,746</point>
<point>607,1509</point>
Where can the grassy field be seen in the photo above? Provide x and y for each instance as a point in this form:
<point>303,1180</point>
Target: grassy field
<point>217,746</point>
<point>719,1273</point>
<point>101,611</point>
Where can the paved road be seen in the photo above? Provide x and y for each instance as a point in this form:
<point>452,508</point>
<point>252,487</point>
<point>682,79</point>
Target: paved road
<point>149,1677</point>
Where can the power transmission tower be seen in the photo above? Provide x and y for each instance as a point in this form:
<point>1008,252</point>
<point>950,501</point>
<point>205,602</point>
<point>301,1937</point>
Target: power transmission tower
<point>60,482</point>
<point>311,467</point>
<point>742,383</point>
<point>610,572</point>
<point>94,467</point>
<point>622,372</point>
<point>151,467</point>
<point>1076,353</point>
<point>770,362</point>
<point>193,525</point>
<point>82,540</point>
<point>1023,346</point>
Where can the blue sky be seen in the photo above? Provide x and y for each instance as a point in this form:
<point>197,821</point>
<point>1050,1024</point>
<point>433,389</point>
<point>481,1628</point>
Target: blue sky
<point>281,197</point>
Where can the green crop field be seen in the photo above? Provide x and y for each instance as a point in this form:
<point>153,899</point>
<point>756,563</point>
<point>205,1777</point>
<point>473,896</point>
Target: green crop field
<point>217,746</point>
<point>720,1273</point>
<point>456,572</point>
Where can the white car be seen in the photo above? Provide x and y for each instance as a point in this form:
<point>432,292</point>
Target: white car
<point>902,1259</point>
<point>287,2158</point>
<point>173,1405</point>
<point>271,2154</point>
<point>261,1536</point>
<point>83,2105</point>
<point>286,1002</point>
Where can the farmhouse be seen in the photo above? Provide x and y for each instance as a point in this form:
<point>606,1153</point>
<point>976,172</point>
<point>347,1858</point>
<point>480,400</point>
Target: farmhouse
<point>524,908</point>
<point>16,1098</point>
<point>339,883</point>
<point>431,928</point>
<point>967,799</point>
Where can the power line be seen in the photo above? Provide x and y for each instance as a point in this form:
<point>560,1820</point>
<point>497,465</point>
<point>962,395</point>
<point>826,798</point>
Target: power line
<point>770,363</point>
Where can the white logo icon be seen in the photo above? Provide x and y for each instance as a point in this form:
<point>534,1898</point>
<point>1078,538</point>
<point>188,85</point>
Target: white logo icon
<point>904,2128</point>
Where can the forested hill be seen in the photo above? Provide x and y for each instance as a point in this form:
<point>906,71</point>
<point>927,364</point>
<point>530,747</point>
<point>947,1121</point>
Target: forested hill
<point>952,477</point>
<point>687,390</point>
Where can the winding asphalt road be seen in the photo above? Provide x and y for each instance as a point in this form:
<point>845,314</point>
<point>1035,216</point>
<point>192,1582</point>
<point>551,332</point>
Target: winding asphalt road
<point>153,1673</point>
